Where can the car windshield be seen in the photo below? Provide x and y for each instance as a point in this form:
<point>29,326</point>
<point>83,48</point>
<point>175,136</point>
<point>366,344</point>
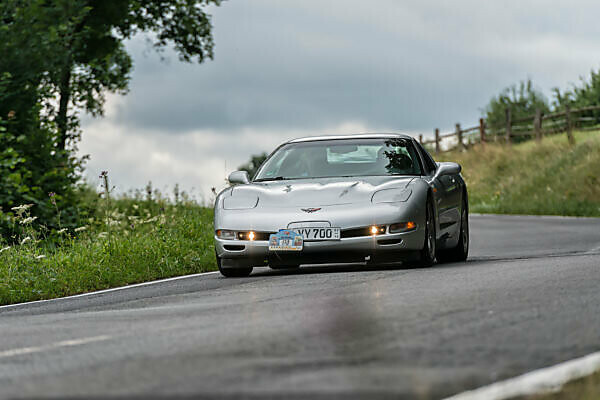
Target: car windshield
<point>341,157</point>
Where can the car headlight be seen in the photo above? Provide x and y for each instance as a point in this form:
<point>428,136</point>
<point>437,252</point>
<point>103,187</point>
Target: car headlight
<point>225,234</point>
<point>241,235</point>
<point>240,202</point>
<point>391,195</point>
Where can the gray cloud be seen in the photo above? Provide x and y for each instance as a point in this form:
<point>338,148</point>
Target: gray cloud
<point>404,65</point>
<point>313,66</point>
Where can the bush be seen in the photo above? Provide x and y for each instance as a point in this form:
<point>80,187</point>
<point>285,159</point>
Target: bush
<point>521,100</point>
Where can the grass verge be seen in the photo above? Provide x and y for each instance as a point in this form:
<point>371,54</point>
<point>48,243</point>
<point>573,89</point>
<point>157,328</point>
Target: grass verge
<point>547,178</point>
<point>134,241</point>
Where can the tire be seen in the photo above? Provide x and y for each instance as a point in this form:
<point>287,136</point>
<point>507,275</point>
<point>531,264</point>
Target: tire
<point>427,255</point>
<point>461,251</point>
<point>233,272</point>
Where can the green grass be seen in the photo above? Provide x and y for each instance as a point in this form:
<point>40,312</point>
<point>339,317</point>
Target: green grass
<point>550,178</point>
<point>138,242</point>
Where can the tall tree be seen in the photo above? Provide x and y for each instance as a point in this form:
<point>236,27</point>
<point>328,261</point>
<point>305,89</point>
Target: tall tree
<point>79,45</point>
<point>93,58</point>
<point>61,57</point>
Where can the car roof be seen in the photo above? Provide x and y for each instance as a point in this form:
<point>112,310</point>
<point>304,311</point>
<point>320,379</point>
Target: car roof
<point>355,136</point>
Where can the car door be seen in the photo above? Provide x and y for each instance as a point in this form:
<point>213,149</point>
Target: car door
<point>451,191</point>
<point>446,192</point>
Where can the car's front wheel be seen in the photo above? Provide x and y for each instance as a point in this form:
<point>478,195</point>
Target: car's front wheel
<point>233,272</point>
<point>427,255</point>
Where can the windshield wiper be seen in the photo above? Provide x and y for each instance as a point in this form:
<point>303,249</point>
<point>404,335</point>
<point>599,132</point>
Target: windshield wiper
<point>277,178</point>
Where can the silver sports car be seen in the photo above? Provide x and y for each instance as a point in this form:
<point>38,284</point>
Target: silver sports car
<point>375,198</point>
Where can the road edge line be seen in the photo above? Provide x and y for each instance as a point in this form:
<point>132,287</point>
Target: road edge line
<point>539,381</point>
<point>98,292</point>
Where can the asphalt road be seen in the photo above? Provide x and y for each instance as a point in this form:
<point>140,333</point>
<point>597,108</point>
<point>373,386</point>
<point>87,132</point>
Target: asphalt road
<point>528,297</point>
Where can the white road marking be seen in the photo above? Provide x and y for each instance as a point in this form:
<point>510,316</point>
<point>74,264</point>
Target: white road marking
<point>109,290</point>
<point>593,251</point>
<point>543,380</point>
<point>64,343</point>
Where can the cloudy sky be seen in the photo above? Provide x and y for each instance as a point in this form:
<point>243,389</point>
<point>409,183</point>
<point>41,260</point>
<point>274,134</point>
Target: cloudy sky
<point>285,69</point>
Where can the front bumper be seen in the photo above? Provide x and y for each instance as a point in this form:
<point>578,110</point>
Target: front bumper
<point>380,248</point>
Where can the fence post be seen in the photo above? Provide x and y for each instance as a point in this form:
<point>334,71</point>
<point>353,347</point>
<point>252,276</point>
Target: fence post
<point>569,126</point>
<point>482,130</point>
<point>508,125</point>
<point>459,135</point>
<point>421,139</point>
<point>437,140</point>
<point>537,124</point>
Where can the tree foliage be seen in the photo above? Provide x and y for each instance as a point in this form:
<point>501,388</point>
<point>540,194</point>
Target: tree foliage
<point>61,57</point>
<point>253,164</point>
<point>522,100</point>
<point>587,93</point>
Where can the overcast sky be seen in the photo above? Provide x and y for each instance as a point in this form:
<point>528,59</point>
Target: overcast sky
<point>285,69</point>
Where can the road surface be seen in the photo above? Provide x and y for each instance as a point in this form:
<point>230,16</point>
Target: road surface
<point>528,297</point>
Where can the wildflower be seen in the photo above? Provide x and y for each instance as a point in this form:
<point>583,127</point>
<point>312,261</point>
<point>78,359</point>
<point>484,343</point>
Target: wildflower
<point>4,249</point>
<point>40,257</point>
<point>11,114</point>
<point>27,239</point>
<point>135,206</point>
<point>102,235</point>
<point>27,220</point>
<point>80,229</point>
<point>52,196</point>
<point>103,174</point>
<point>22,208</point>
<point>63,230</point>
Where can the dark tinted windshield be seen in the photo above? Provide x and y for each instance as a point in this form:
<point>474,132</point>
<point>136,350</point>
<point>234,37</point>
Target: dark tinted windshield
<point>341,157</point>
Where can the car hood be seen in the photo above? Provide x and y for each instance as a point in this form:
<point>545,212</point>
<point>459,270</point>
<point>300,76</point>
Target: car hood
<point>317,192</point>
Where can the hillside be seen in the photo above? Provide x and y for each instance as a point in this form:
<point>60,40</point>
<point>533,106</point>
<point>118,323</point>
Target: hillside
<point>547,178</point>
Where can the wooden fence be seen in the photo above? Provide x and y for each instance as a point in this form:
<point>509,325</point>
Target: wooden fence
<point>537,125</point>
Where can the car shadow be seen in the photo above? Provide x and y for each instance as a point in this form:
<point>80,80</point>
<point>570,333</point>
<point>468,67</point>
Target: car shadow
<point>332,268</point>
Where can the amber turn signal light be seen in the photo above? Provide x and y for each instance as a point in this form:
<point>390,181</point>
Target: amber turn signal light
<point>402,227</point>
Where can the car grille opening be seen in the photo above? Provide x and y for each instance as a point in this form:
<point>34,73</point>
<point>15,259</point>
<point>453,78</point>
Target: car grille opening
<point>257,235</point>
<point>234,247</point>
<point>359,232</point>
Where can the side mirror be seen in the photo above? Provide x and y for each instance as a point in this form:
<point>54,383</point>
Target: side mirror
<point>447,168</point>
<point>238,177</point>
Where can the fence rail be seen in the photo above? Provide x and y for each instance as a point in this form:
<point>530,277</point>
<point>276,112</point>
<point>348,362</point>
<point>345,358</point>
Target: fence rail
<point>537,125</point>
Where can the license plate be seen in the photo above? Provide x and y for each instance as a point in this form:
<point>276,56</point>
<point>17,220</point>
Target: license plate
<point>323,233</point>
<point>286,240</point>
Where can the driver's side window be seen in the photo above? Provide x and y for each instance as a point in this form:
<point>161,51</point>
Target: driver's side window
<point>430,165</point>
